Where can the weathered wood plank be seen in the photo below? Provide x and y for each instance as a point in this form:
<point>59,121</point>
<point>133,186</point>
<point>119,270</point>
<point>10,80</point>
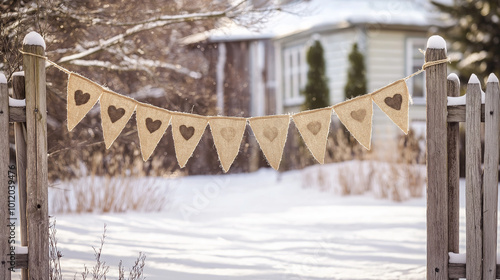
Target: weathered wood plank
<point>437,191</point>
<point>36,167</point>
<point>490,186</point>
<point>20,138</point>
<point>17,114</point>
<point>457,113</point>
<point>5,183</point>
<point>457,270</point>
<point>21,261</point>
<point>453,88</point>
<point>473,179</point>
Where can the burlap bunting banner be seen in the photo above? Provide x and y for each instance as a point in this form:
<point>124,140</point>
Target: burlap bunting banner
<point>151,124</point>
<point>82,95</point>
<point>116,110</point>
<point>356,114</point>
<point>314,126</point>
<point>394,100</point>
<point>187,130</point>
<point>271,133</point>
<point>227,133</point>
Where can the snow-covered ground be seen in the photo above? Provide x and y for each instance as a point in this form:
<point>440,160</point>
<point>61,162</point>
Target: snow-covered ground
<point>263,225</point>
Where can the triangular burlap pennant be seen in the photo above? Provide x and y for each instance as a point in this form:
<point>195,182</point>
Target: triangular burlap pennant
<point>271,133</point>
<point>313,127</point>
<point>356,114</point>
<point>227,133</point>
<point>82,95</point>
<point>394,100</point>
<point>116,110</point>
<point>187,130</point>
<point>151,124</point>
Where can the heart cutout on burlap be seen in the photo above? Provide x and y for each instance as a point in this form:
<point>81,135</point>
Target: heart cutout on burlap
<point>314,127</point>
<point>228,133</point>
<point>359,115</point>
<point>115,114</point>
<point>395,101</point>
<point>186,132</point>
<point>271,133</point>
<point>152,126</point>
<point>81,98</point>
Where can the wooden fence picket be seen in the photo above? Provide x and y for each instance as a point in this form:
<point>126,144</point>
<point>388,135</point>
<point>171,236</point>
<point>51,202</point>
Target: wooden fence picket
<point>437,191</point>
<point>453,137</point>
<point>4,183</point>
<point>490,199</point>
<point>36,168</point>
<point>473,181</point>
<point>18,87</point>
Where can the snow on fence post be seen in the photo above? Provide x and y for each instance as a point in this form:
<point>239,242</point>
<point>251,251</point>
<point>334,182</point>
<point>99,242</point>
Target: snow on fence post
<point>490,199</point>
<point>473,180</point>
<point>453,88</point>
<point>437,179</point>
<point>4,179</point>
<point>18,87</point>
<point>36,167</point>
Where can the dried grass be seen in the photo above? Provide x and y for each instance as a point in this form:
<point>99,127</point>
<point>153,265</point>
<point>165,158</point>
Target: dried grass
<point>99,270</point>
<point>353,181</point>
<point>54,254</point>
<point>396,176</point>
<point>108,194</point>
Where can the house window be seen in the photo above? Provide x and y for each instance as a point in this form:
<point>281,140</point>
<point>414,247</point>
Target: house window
<point>294,72</point>
<point>414,61</point>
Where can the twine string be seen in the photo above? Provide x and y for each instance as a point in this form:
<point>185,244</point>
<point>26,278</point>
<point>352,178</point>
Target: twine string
<point>48,60</point>
<point>426,65</point>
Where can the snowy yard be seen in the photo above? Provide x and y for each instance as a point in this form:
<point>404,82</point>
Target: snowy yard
<point>256,226</point>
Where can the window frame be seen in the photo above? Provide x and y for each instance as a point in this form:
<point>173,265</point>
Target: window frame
<point>410,65</point>
<point>294,74</point>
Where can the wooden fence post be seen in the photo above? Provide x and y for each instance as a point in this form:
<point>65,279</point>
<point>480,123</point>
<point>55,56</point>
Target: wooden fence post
<point>490,185</point>
<point>473,180</point>
<point>437,191</point>
<point>36,168</point>
<point>18,87</point>
<point>4,180</point>
<point>453,136</point>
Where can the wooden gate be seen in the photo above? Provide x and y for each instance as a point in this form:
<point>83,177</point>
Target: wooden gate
<point>443,175</point>
<point>30,129</point>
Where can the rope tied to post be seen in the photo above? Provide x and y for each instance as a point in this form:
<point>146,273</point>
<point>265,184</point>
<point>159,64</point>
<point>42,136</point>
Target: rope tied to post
<point>426,65</point>
<point>48,60</point>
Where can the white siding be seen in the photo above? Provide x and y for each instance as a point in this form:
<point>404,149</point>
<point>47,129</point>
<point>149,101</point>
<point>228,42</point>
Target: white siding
<point>385,63</point>
<point>385,59</point>
<point>337,48</point>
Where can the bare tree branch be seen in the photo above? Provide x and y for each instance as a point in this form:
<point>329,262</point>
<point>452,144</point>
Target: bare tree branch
<point>179,18</point>
<point>159,64</point>
<point>148,25</point>
<point>134,64</point>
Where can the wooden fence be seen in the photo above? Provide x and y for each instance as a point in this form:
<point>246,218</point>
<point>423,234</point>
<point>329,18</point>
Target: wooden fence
<point>30,129</point>
<point>443,175</point>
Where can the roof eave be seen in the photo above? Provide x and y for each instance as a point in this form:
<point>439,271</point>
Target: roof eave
<point>346,25</point>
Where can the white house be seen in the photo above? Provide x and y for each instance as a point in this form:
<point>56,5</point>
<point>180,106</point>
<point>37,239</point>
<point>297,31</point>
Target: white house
<point>388,33</point>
